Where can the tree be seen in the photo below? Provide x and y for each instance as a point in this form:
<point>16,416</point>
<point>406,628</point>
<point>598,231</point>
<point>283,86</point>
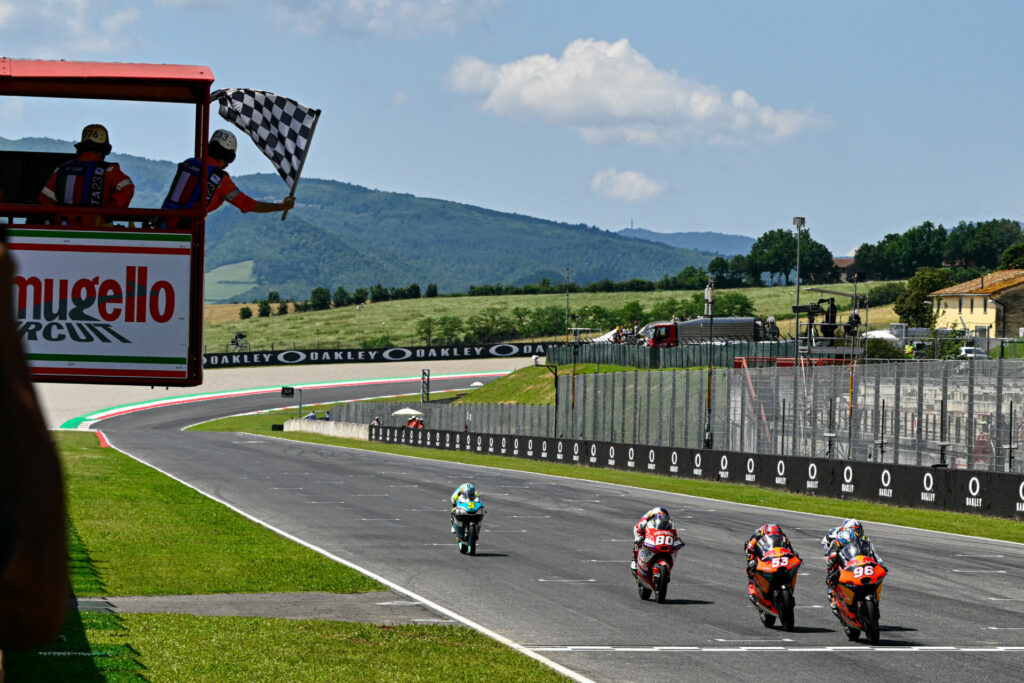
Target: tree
<point>273,297</point>
<point>360,296</point>
<point>379,293</point>
<point>340,297</point>
<point>733,304</point>
<point>413,291</point>
<point>774,253</point>
<point>282,308</point>
<point>914,307</point>
<point>718,268</point>
<point>320,299</point>
<point>816,262</point>
<point>244,312</point>
<point>1013,257</point>
<point>425,329</point>
<point>887,293</point>
<point>448,329</point>
<point>431,291</point>
<point>264,309</point>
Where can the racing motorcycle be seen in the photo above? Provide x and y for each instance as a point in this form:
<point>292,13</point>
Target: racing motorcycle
<point>654,560</point>
<point>856,595</point>
<point>468,515</point>
<point>773,581</point>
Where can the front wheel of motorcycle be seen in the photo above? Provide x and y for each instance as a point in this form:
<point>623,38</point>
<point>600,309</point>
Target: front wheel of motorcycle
<point>471,542</point>
<point>662,583</point>
<point>785,606</point>
<point>870,620</point>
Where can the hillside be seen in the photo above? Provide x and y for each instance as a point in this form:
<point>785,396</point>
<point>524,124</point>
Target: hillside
<point>715,242</point>
<point>352,236</point>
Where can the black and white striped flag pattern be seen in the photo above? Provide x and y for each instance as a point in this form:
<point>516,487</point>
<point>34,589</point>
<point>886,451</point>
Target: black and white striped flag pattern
<point>280,127</point>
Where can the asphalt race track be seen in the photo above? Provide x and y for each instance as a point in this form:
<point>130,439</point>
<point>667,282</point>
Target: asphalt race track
<point>552,570</point>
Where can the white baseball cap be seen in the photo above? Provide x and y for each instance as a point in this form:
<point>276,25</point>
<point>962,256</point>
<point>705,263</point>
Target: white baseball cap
<point>225,139</point>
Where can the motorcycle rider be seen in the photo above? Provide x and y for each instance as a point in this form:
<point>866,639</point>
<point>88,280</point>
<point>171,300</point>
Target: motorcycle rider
<point>466,492</point>
<point>770,529</point>
<point>842,538</point>
<point>857,529</point>
<point>657,515</point>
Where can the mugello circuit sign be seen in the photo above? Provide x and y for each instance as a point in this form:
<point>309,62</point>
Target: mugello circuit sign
<point>391,355</point>
<point>103,305</point>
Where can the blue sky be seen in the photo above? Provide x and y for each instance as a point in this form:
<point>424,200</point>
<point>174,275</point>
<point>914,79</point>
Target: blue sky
<point>867,118</point>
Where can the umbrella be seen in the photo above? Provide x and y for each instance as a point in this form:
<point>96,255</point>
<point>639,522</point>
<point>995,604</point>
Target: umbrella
<point>881,334</point>
<point>408,411</point>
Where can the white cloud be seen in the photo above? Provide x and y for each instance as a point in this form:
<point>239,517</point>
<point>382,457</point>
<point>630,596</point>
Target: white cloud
<point>62,28</point>
<point>403,18</point>
<point>6,12</point>
<point>398,98</point>
<point>625,186</point>
<point>611,93</point>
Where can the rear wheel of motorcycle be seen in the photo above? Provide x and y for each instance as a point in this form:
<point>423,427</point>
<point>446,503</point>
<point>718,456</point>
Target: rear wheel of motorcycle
<point>643,590</point>
<point>785,608</point>
<point>767,619</point>
<point>851,633</point>
<point>870,620</point>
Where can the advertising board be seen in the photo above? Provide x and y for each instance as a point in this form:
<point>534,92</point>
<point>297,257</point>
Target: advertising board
<point>105,304</point>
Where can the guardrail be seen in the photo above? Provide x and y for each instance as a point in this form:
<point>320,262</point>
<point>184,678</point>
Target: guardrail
<point>389,355</point>
<point>987,493</point>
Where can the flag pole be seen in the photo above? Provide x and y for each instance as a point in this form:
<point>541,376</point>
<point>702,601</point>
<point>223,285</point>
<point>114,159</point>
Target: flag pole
<point>309,143</point>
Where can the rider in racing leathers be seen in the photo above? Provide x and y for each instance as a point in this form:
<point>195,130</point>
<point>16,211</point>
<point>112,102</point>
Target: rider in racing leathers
<point>641,526</point>
<point>857,530</point>
<point>751,546</point>
<point>465,492</point>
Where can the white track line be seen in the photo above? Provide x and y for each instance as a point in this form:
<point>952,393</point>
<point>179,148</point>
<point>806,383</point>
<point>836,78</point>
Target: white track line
<point>376,577</point>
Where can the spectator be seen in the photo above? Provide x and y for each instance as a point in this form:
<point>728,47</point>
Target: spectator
<point>311,416</point>
<point>88,180</point>
<point>184,192</point>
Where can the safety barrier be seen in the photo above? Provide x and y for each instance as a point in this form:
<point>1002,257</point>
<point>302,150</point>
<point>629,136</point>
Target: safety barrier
<point>994,494</point>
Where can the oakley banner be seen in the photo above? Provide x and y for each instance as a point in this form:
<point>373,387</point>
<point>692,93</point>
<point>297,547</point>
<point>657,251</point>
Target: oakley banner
<point>392,355</point>
<point>989,493</point>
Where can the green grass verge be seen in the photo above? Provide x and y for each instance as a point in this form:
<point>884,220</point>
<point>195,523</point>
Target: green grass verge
<point>138,532</point>
<point>953,522</point>
<point>178,647</point>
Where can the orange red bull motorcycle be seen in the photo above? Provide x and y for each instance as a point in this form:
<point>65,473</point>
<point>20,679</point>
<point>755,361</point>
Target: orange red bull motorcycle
<point>773,581</point>
<point>857,593</point>
<point>654,561</point>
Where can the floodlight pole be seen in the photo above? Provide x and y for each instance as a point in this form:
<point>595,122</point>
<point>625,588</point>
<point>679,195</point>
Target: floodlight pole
<point>709,311</point>
<point>798,223</point>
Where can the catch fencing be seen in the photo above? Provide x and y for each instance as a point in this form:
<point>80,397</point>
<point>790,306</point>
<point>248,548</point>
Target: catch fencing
<point>967,414</point>
<point>683,356</point>
<point>963,413</point>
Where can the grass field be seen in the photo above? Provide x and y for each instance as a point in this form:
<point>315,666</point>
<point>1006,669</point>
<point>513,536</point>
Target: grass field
<point>348,327</point>
<point>229,281</point>
<point>974,525</point>
<point>133,531</point>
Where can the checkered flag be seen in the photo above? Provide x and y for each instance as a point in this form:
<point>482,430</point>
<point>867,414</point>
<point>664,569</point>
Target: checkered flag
<point>280,127</point>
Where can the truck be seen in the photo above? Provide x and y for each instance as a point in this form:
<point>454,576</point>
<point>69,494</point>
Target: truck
<point>668,334</point>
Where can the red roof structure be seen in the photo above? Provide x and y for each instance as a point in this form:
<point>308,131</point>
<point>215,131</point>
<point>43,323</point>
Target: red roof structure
<point>105,80</point>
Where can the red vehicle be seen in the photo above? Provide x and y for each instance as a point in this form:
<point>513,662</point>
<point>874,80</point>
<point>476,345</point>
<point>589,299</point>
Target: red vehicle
<point>670,334</point>
<point>771,587</point>
<point>655,559</point>
<point>856,595</point>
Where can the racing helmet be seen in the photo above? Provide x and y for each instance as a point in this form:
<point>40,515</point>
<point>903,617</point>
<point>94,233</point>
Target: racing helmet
<point>771,529</point>
<point>657,511</point>
<point>468,490</point>
<point>844,537</point>
<point>855,527</point>
<point>659,522</point>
